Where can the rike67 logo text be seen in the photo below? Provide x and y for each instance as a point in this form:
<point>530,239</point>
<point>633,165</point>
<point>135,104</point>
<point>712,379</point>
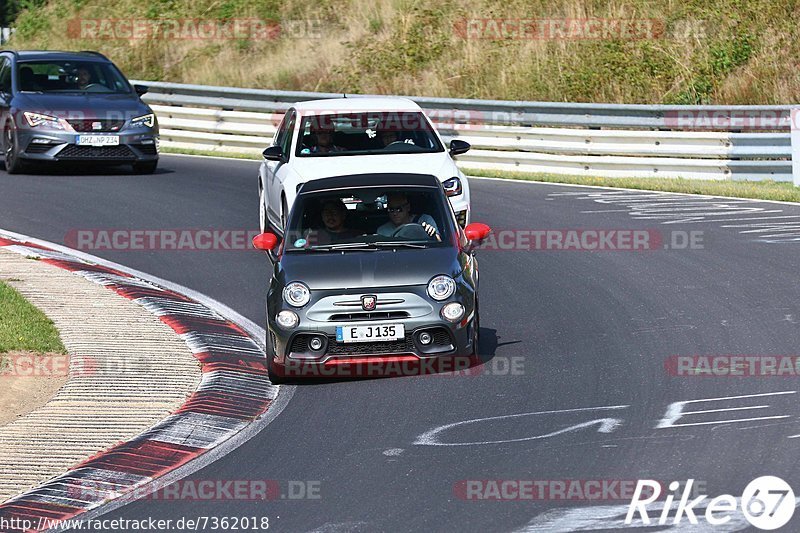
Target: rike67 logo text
<point>767,503</point>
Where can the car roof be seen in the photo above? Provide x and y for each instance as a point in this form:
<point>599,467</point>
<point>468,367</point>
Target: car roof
<point>370,180</point>
<point>355,103</point>
<point>56,55</point>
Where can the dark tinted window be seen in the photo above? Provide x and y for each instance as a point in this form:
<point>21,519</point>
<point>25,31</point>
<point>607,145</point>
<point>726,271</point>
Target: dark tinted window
<point>373,132</point>
<point>5,75</point>
<point>372,216</point>
<point>70,76</point>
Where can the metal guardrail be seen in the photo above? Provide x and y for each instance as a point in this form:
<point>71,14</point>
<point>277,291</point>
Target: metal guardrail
<point>615,140</point>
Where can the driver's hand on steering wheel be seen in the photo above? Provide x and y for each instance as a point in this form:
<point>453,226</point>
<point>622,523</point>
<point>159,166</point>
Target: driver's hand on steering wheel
<point>431,231</point>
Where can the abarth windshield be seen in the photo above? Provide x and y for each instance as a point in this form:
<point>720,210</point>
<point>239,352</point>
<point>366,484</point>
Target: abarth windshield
<point>369,219</point>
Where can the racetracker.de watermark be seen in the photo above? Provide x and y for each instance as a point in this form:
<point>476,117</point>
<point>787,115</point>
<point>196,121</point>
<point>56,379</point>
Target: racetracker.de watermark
<point>733,365</point>
<point>727,119</point>
<point>561,29</point>
<point>190,29</point>
<point>593,240</point>
<point>548,489</point>
<point>178,240</point>
<point>208,490</point>
<point>589,240</point>
<point>403,366</point>
<point>34,366</point>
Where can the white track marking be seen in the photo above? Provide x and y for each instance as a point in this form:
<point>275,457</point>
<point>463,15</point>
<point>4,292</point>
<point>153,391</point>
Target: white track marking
<point>606,425</point>
<point>675,411</point>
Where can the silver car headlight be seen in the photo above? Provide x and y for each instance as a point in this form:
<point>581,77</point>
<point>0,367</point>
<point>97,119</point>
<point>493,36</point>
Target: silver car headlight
<point>296,294</point>
<point>441,288</point>
<point>147,120</point>
<point>36,120</point>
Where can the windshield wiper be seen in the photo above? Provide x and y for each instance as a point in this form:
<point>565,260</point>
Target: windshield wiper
<point>384,244</point>
<point>354,246</point>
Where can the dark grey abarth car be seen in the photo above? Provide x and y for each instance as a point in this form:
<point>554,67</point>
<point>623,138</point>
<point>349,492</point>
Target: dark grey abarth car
<point>374,276</point>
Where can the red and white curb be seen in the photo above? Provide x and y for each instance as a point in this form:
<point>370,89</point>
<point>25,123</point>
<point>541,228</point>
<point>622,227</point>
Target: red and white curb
<point>234,400</point>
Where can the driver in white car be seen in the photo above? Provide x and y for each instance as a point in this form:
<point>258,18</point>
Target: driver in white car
<point>399,210</point>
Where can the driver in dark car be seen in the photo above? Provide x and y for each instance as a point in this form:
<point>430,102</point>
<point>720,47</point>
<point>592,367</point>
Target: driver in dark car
<point>399,210</point>
<point>334,220</point>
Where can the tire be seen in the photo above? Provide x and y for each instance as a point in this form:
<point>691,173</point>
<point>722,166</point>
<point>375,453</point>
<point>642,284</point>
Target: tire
<point>277,373</point>
<point>476,333</point>
<point>145,167</point>
<point>13,163</point>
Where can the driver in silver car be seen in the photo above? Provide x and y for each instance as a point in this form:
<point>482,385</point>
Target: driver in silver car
<point>399,210</point>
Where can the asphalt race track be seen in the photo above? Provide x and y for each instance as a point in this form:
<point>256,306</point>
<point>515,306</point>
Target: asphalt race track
<point>577,342</point>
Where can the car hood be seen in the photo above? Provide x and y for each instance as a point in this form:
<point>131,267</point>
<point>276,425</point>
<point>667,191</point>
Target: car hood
<point>95,105</point>
<point>438,164</point>
<point>361,270</point>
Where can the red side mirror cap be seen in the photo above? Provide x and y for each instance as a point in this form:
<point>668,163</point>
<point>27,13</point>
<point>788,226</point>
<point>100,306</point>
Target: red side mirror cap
<point>477,231</point>
<point>265,241</point>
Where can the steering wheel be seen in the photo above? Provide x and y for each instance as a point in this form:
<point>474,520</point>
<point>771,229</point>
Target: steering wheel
<point>412,230</point>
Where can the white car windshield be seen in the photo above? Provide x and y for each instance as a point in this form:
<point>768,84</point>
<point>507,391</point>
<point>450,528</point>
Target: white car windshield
<point>395,132</point>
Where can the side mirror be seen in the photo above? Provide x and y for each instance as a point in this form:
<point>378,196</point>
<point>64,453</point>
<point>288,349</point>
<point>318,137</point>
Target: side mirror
<point>477,231</point>
<point>141,89</point>
<point>265,241</point>
<point>273,153</point>
<point>458,147</point>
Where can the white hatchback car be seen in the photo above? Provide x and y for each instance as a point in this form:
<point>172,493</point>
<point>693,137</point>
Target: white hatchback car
<point>358,135</point>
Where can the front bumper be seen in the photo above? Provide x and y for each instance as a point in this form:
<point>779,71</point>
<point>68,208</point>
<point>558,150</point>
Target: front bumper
<point>53,145</point>
<point>291,348</point>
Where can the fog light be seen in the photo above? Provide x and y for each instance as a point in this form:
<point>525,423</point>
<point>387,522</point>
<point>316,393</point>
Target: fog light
<point>453,312</point>
<point>40,141</point>
<point>425,338</point>
<point>315,344</point>
<point>287,319</point>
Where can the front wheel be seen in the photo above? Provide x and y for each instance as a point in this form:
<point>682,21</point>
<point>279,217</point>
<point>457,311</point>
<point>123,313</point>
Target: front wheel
<point>476,330</point>
<point>14,165</point>
<point>145,167</point>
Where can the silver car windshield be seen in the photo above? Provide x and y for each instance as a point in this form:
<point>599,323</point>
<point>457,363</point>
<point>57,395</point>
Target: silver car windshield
<point>387,132</point>
<point>71,77</point>
<point>369,219</point>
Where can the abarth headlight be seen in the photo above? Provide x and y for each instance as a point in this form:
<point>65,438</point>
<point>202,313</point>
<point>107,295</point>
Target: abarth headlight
<point>296,294</point>
<point>441,288</point>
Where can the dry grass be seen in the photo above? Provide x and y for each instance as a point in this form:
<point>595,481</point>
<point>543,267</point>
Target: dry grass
<point>720,51</point>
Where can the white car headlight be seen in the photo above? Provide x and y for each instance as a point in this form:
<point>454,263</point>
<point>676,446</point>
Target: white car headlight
<point>441,288</point>
<point>147,120</point>
<point>36,120</point>
<point>452,187</point>
<point>296,294</point>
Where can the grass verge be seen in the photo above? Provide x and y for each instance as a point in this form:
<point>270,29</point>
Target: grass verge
<point>191,151</point>
<point>23,327</point>
<point>761,190</point>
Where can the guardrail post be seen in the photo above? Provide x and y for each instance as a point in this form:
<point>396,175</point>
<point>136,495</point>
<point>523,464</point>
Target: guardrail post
<point>796,146</point>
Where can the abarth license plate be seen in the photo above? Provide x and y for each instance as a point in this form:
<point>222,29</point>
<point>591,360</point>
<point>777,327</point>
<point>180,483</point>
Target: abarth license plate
<point>370,333</point>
